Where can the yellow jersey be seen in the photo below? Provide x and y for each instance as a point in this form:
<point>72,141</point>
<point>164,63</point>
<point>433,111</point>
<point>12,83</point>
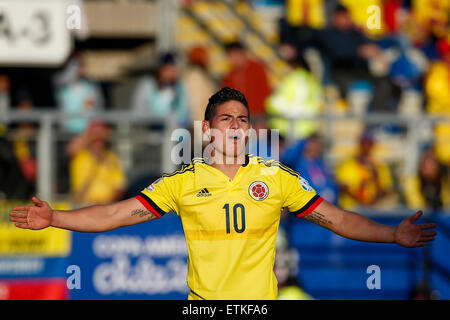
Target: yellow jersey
<point>94,180</point>
<point>362,181</point>
<point>231,225</point>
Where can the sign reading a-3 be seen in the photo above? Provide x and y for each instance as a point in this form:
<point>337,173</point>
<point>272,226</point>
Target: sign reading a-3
<point>33,32</point>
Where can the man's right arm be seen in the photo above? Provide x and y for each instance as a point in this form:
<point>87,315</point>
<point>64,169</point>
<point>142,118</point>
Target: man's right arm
<point>97,218</point>
<point>100,218</point>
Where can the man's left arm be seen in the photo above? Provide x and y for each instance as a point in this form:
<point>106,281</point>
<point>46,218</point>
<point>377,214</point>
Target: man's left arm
<point>355,226</point>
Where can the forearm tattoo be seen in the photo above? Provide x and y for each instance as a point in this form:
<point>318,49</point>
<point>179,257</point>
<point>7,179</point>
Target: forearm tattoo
<point>143,213</point>
<point>318,218</point>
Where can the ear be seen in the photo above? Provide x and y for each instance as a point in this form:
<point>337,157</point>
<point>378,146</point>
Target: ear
<point>206,130</point>
<point>205,126</point>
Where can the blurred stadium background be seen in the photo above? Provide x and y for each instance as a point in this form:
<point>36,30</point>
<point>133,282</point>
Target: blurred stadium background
<point>90,92</point>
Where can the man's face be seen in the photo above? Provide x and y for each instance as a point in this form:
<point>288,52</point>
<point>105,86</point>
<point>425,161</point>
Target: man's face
<point>228,129</point>
<point>342,21</point>
<point>168,74</point>
<point>366,146</point>
<point>237,58</point>
<point>99,136</point>
<point>313,147</point>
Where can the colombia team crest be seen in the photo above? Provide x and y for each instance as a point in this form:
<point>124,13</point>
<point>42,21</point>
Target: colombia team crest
<point>258,190</point>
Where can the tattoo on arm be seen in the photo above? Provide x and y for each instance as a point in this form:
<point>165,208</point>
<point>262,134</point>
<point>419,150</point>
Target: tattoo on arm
<point>143,213</point>
<point>318,218</point>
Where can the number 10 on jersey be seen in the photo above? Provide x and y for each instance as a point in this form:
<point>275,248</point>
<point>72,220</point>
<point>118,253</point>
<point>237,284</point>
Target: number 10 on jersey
<point>238,214</point>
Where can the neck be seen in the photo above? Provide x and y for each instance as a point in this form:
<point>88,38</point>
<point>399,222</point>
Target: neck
<point>229,165</point>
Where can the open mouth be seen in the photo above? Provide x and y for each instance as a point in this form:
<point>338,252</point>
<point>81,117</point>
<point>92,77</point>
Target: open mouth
<point>235,137</point>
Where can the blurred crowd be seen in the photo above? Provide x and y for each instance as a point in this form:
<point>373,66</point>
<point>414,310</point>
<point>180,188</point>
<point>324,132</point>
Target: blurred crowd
<point>398,65</point>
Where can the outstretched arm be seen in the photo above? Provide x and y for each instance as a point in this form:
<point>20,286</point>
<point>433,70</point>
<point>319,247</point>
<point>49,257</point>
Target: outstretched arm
<point>97,218</point>
<point>357,227</point>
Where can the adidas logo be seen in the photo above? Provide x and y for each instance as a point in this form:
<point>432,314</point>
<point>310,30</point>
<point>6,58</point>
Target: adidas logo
<point>204,193</point>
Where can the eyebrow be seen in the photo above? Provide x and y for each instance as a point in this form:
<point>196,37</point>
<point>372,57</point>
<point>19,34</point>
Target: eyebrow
<point>230,115</point>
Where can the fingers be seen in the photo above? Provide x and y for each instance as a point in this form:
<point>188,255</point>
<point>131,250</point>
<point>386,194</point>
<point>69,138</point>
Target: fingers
<point>426,239</point>
<point>37,201</point>
<point>427,226</point>
<point>427,236</point>
<point>18,214</point>
<point>20,217</point>
<point>21,220</point>
<point>416,216</point>
<point>21,208</point>
<point>22,225</point>
<point>428,233</point>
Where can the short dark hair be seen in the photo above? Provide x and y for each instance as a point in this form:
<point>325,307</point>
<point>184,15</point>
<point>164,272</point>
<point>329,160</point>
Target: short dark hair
<point>234,45</point>
<point>340,8</point>
<point>222,96</point>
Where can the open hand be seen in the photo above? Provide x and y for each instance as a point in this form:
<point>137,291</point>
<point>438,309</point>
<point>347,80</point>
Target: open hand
<point>411,235</point>
<point>34,217</point>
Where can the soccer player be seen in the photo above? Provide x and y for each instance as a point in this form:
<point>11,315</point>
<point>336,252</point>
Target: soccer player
<point>230,204</point>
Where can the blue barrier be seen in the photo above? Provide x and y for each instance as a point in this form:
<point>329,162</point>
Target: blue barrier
<point>332,267</point>
<point>144,261</point>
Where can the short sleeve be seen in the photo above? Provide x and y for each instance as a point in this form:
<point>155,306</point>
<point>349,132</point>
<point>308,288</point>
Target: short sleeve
<point>161,196</point>
<point>298,196</point>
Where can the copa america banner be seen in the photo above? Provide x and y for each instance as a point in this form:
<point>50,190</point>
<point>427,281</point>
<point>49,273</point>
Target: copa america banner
<point>34,32</point>
<point>144,261</point>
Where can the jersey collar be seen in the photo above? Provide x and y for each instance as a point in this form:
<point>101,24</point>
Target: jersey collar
<point>206,175</point>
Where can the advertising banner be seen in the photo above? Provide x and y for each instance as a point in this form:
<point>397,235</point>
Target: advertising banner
<point>32,263</point>
<point>144,261</point>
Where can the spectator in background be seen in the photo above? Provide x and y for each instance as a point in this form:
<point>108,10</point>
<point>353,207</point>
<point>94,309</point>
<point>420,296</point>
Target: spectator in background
<point>5,98</point>
<point>347,53</point>
<point>430,187</point>
<point>198,82</point>
<point>162,94</point>
<point>12,183</point>
<point>302,17</point>
<point>24,143</point>
<point>298,94</point>
<point>437,92</point>
<point>437,82</point>
<point>407,69</point>
<point>408,63</point>
<point>306,157</point>
<point>77,97</point>
<point>362,180</point>
<point>96,174</point>
<point>248,76</point>
<point>432,15</point>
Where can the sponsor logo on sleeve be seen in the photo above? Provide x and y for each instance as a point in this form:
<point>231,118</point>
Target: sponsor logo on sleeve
<point>152,186</point>
<point>305,185</point>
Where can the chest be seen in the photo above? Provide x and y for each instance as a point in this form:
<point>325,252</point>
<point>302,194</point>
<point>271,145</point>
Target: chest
<point>244,208</point>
